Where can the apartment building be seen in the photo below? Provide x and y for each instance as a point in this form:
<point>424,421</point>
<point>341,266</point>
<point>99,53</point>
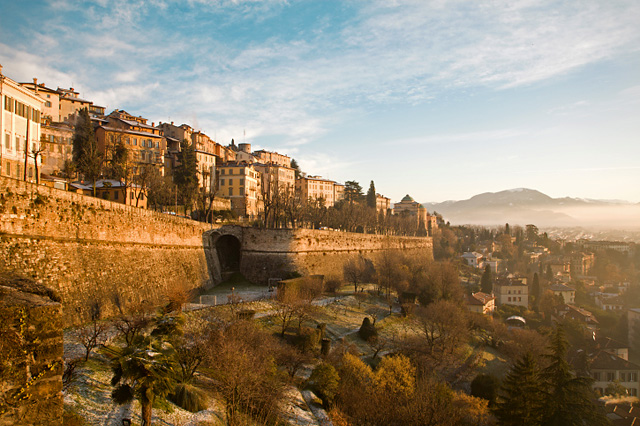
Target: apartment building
<point>276,176</point>
<point>511,291</point>
<point>57,147</point>
<point>20,116</point>
<point>205,149</point>
<point>145,143</point>
<point>316,187</point>
<point>383,204</point>
<point>240,182</point>
<point>267,157</point>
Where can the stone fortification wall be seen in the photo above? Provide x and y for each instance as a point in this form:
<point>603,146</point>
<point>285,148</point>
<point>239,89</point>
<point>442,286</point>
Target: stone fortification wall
<point>277,253</point>
<point>31,355</point>
<point>91,250</point>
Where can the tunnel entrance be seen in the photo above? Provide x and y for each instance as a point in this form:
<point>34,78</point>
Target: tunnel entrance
<point>228,249</point>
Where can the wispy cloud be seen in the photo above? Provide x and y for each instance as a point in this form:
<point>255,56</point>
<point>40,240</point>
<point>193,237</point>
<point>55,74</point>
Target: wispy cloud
<point>168,58</point>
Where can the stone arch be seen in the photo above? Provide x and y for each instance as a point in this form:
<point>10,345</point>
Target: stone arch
<point>229,252</point>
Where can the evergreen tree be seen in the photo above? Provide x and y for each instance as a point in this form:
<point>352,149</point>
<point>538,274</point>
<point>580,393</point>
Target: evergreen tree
<point>507,230</point>
<point>569,400</point>
<point>352,191</point>
<point>185,175</point>
<point>522,395</point>
<point>549,273</point>
<point>371,196</point>
<point>86,155</point>
<point>296,168</point>
<point>535,291</point>
<point>486,282</point>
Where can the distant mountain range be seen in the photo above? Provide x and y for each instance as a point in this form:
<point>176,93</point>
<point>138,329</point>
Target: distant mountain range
<point>522,206</point>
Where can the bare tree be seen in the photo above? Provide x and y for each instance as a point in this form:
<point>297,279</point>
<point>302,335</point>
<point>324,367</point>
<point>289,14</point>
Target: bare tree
<point>94,334</point>
<point>36,152</point>
<point>358,270</point>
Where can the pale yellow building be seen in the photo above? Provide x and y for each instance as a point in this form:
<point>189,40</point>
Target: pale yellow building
<point>511,291</point>
<point>315,187</point>
<point>57,144</point>
<point>51,98</point>
<point>240,182</point>
<point>567,293</point>
<point>408,206</point>
<point>20,116</point>
<point>281,176</point>
<point>267,157</point>
<point>383,204</point>
<point>145,143</point>
<point>338,192</point>
<point>205,149</point>
<point>61,105</point>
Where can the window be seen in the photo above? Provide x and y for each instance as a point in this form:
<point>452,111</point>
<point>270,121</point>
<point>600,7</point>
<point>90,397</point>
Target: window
<point>221,171</point>
<point>633,391</point>
<point>115,195</point>
<point>633,377</point>
<point>8,169</point>
<point>221,181</point>
<point>135,141</point>
<point>7,141</point>
<point>241,191</point>
<point>158,144</point>
<point>508,299</point>
<point>241,182</point>
<point>611,375</point>
<point>8,103</point>
<point>47,104</point>
<point>596,376</point>
<point>519,299</point>
<point>230,192</point>
<point>132,195</point>
<point>18,144</point>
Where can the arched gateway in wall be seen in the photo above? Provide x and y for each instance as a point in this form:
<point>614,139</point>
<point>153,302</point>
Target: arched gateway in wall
<point>225,256</point>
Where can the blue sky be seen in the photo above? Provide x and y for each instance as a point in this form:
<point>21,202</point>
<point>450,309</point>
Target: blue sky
<point>440,99</point>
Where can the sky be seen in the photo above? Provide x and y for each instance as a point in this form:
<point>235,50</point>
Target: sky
<point>439,99</point>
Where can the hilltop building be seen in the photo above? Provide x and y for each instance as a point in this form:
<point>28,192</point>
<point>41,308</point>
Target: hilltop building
<point>240,182</point>
<point>316,187</point>
<point>408,206</point>
<point>20,116</point>
<point>383,204</point>
<point>145,143</point>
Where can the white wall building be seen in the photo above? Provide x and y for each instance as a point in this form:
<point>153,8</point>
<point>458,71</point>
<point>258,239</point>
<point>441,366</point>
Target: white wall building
<point>20,114</point>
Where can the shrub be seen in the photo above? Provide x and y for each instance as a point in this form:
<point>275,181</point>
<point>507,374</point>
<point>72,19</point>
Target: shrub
<point>485,386</point>
<point>367,330</point>
<point>307,339</point>
<point>324,382</point>
<point>332,285</point>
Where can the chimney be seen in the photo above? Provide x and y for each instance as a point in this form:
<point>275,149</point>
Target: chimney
<point>172,123</point>
<point>35,84</point>
<point>153,124</point>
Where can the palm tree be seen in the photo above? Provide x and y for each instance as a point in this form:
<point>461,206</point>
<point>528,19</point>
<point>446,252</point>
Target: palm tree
<point>144,371</point>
